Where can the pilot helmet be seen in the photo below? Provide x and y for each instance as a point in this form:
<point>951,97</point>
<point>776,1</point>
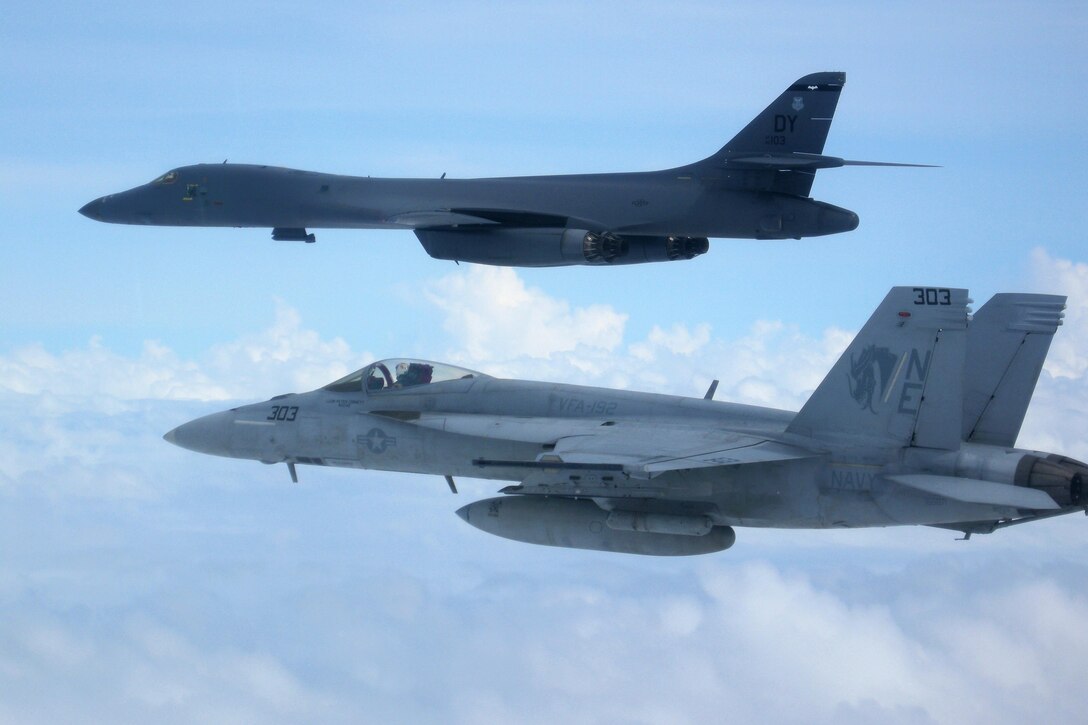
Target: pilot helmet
<point>402,368</point>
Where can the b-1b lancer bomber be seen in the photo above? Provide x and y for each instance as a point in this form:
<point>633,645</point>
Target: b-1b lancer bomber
<point>915,424</point>
<point>755,187</point>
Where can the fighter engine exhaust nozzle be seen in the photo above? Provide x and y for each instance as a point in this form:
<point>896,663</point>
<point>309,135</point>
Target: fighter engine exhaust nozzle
<point>1065,479</point>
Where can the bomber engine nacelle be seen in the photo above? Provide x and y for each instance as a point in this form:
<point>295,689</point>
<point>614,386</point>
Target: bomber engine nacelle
<point>555,247</point>
<point>582,524</point>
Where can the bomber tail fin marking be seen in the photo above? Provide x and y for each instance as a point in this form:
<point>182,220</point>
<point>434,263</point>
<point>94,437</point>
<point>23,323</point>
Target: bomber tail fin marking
<point>796,122</point>
<point>900,381</point>
<point>781,149</point>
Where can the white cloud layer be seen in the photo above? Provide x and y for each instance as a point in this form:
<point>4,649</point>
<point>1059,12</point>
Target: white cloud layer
<point>283,357</point>
<point>142,582</point>
<point>490,309</point>
<point>1061,276</point>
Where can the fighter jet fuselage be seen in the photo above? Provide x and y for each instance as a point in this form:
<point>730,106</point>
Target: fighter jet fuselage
<point>915,424</point>
<point>755,187</point>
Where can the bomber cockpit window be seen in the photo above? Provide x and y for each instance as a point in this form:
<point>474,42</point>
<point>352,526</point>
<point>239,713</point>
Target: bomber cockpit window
<point>168,178</point>
<point>398,374</point>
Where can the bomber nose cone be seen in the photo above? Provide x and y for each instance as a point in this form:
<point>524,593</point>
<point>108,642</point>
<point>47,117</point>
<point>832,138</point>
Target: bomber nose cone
<point>92,210</point>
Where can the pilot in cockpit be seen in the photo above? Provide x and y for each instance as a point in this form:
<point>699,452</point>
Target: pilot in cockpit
<point>413,373</point>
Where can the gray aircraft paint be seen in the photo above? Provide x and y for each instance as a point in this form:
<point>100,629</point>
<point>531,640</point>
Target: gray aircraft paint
<point>755,187</point>
<point>890,437</point>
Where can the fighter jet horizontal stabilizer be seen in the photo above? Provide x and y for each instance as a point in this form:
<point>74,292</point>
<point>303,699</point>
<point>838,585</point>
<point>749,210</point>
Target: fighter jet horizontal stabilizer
<point>970,490</point>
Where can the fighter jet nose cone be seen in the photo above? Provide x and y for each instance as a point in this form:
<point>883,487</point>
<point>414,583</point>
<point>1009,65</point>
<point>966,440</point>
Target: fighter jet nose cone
<point>463,512</point>
<point>196,435</point>
<point>218,435</point>
<point>852,222</point>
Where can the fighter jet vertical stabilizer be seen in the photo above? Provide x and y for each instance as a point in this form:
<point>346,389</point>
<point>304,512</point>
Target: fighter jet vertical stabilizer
<point>1007,344</point>
<point>877,391</point>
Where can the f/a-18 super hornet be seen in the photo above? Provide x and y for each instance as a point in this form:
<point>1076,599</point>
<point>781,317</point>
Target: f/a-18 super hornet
<point>755,187</point>
<point>915,424</point>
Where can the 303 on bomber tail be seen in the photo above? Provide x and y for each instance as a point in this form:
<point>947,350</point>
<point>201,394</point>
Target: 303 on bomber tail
<point>916,424</point>
<point>755,187</point>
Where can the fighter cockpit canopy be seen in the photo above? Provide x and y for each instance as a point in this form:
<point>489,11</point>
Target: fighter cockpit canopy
<point>399,373</point>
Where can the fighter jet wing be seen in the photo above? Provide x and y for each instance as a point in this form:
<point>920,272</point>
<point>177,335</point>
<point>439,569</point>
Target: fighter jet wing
<point>637,449</point>
<point>624,460</point>
<point>645,451</point>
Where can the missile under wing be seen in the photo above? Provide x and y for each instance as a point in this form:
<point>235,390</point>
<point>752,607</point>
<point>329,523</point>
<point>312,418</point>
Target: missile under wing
<point>755,187</point>
<point>914,425</point>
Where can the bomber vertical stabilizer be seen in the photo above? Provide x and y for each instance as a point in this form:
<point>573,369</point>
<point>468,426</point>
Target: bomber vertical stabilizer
<point>797,122</point>
<point>900,382</point>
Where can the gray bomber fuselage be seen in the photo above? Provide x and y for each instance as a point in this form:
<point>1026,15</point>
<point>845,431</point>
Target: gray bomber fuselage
<point>674,202</point>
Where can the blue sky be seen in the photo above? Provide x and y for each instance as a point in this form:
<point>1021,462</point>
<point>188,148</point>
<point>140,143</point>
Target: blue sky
<point>138,580</point>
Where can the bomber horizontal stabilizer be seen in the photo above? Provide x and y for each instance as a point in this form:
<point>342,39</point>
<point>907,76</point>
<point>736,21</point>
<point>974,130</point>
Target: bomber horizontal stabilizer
<point>799,160</point>
<point>849,162</point>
